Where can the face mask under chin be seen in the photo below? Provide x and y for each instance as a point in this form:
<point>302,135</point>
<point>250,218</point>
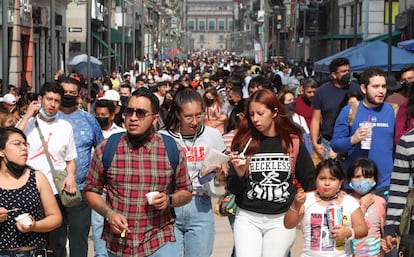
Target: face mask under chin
<point>138,140</point>
<point>15,169</point>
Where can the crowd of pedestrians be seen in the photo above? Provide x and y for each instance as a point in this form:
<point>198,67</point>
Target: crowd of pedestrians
<point>332,158</point>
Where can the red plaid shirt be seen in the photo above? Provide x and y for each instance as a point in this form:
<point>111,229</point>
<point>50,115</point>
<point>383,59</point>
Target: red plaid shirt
<point>132,174</point>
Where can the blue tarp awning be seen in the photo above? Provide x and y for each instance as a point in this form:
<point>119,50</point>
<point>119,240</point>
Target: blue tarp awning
<point>369,54</point>
<point>407,45</point>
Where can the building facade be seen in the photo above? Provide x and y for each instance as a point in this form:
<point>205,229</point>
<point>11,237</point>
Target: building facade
<point>209,22</point>
<point>33,36</point>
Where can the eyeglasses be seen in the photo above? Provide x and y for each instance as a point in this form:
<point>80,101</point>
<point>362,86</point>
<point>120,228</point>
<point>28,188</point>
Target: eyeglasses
<point>18,143</point>
<point>190,118</point>
<point>140,113</point>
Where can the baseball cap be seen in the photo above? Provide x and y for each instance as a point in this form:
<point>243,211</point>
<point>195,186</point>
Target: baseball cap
<point>111,95</point>
<point>8,99</point>
<point>127,74</point>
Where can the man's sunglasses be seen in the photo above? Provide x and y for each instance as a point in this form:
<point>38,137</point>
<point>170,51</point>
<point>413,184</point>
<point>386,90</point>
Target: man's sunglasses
<point>140,113</point>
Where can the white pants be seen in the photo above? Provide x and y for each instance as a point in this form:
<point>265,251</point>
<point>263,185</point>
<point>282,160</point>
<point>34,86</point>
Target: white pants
<point>261,235</point>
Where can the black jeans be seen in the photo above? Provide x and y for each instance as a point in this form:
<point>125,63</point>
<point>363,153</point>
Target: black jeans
<point>75,227</point>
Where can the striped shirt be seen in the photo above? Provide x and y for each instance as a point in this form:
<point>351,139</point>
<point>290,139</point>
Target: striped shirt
<point>399,186</point>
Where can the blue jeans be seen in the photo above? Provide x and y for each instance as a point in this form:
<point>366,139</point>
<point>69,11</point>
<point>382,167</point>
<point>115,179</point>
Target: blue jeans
<point>99,245</point>
<point>327,144</point>
<point>164,251</point>
<point>194,228</point>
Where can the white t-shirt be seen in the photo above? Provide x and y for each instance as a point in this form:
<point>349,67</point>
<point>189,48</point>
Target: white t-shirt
<point>317,242</point>
<point>113,130</point>
<point>206,138</point>
<point>59,139</point>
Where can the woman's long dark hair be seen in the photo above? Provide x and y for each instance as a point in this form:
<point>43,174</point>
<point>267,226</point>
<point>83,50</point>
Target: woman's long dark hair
<point>184,95</point>
<point>284,126</point>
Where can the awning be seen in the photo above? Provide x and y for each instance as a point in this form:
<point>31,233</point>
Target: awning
<point>395,35</point>
<point>116,37</point>
<point>102,42</point>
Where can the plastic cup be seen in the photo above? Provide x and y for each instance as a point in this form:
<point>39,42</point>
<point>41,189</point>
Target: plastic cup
<point>24,219</point>
<point>366,142</point>
<point>150,196</point>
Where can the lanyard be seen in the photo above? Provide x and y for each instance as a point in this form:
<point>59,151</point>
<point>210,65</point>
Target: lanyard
<point>189,152</point>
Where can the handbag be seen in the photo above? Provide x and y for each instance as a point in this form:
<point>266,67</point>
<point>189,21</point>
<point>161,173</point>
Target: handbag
<point>405,230</point>
<point>226,205</point>
<point>67,199</point>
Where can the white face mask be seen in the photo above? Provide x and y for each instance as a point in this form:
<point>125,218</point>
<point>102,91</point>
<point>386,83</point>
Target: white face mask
<point>105,87</point>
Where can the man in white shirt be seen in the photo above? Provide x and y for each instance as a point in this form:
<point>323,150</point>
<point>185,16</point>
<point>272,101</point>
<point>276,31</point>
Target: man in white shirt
<point>59,138</point>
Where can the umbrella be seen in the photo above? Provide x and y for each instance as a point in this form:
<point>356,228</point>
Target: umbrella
<point>174,51</point>
<point>83,58</point>
<point>96,70</point>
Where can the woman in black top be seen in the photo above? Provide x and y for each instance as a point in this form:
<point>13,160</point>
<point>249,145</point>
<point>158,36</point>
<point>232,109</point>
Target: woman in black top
<point>267,155</point>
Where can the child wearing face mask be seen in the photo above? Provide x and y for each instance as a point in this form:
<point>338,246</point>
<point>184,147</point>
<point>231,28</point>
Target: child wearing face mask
<point>362,175</point>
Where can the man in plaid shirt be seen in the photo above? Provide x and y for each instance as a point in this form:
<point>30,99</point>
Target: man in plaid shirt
<point>133,227</point>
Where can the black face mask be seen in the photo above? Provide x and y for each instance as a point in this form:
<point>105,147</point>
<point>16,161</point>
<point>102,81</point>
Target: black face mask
<point>232,102</point>
<point>167,102</point>
<point>69,100</point>
<point>103,121</point>
<point>137,141</point>
<point>407,84</point>
<point>290,106</point>
<point>16,169</point>
<point>345,79</point>
<point>209,102</point>
<point>124,100</point>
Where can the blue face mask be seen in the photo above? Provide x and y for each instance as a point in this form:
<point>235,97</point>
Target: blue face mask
<point>45,116</point>
<point>362,187</point>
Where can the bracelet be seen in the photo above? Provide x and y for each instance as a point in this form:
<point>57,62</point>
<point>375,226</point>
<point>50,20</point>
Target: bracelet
<point>352,234</point>
<point>292,209</point>
<point>108,215</point>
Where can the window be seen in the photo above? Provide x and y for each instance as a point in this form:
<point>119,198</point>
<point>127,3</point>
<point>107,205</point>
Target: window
<point>221,38</point>
<point>190,25</point>
<point>230,25</point>
<point>201,25</point>
<point>202,38</point>
<point>221,25</point>
<point>344,26</point>
<point>360,14</point>
<point>353,12</point>
<point>74,46</point>
<point>211,25</point>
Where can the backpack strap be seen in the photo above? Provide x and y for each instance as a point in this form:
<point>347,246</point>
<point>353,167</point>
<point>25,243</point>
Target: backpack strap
<point>110,149</point>
<point>352,113</point>
<point>172,151</point>
<point>293,156</point>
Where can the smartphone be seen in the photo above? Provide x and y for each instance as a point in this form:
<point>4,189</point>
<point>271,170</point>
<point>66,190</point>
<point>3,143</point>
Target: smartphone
<point>40,253</point>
